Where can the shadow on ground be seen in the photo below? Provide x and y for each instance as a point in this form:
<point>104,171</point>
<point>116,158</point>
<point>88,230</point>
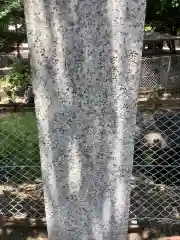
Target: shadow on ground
<point>159,230</point>
<point>22,201</point>
<point>151,230</point>
<point>23,233</point>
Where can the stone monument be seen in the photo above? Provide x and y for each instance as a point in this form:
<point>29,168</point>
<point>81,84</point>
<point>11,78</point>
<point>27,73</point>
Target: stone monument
<point>85,58</point>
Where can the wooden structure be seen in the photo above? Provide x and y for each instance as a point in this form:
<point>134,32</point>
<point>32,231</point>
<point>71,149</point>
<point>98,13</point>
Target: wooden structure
<point>155,41</point>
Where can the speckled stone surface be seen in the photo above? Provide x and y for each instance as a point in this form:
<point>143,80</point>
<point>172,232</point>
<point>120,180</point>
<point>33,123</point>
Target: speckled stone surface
<point>85,57</point>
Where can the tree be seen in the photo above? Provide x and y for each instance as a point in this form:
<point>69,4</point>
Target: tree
<point>12,13</point>
<point>164,15</point>
<point>86,67</point>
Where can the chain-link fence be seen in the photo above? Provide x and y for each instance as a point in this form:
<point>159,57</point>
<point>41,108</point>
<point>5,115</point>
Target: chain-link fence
<point>6,60</point>
<point>156,172</point>
<point>156,71</point>
<point>21,194</point>
<point>160,72</point>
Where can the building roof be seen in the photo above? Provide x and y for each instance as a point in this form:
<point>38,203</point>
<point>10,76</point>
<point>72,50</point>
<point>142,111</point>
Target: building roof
<point>155,36</point>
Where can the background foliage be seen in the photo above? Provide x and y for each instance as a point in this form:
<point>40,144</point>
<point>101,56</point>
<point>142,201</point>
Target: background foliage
<point>161,15</point>
<point>11,13</point>
<point>164,15</point>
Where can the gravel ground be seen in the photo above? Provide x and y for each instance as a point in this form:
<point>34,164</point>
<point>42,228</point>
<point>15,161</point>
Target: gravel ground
<point>155,202</point>
<point>25,233</point>
<point>148,200</point>
<point>22,201</point>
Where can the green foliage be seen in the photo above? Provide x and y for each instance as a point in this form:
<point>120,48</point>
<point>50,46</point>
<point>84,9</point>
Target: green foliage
<point>9,39</point>
<point>19,146</point>
<point>11,13</point>
<point>18,79</point>
<point>148,28</point>
<point>161,15</point>
<point>164,15</point>
<point>10,8</point>
<point>20,75</point>
<point>21,66</point>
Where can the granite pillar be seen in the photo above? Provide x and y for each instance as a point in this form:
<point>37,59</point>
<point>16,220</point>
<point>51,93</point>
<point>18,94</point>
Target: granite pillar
<point>85,57</point>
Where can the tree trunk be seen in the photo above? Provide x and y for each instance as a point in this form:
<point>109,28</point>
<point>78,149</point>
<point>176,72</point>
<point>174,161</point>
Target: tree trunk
<point>85,58</point>
<point>18,50</point>
<point>17,43</point>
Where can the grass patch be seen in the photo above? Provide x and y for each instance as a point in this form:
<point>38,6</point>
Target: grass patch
<point>19,151</point>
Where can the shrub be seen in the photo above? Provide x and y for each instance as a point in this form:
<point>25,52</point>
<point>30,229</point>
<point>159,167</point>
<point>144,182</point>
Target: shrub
<point>18,80</point>
<point>20,76</point>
